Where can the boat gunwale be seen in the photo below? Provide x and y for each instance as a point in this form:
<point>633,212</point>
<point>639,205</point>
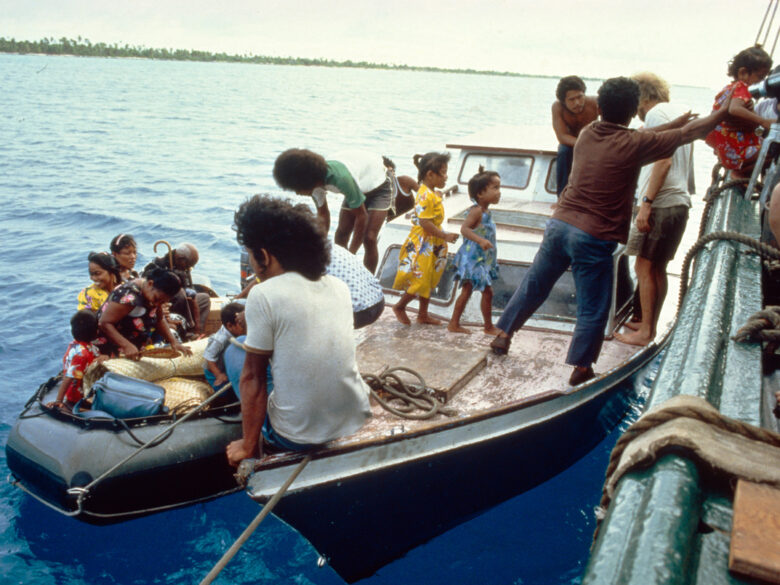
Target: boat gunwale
<point>587,391</point>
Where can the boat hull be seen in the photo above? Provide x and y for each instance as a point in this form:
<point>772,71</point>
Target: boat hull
<point>362,509</point>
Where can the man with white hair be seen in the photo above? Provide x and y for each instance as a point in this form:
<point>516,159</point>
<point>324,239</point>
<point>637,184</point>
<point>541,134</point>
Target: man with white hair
<point>663,197</point>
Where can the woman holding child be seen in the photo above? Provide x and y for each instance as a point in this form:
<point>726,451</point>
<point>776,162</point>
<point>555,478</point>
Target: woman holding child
<point>133,312</point>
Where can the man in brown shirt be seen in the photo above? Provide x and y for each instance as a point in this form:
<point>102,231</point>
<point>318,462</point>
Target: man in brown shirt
<point>593,215</point>
<point>572,111</point>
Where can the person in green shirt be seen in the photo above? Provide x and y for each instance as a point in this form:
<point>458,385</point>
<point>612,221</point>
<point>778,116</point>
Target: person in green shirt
<point>362,178</point>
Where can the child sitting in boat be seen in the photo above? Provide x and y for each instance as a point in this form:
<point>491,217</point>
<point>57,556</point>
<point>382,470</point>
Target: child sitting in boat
<point>476,263</point>
<point>233,325</point>
<point>423,256</point>
<point>80,354</point>
<point>104,272</point>
<point>735,140</point>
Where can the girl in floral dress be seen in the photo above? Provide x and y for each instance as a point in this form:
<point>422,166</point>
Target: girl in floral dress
<point>476,264</point>
<point>424,254</point>
<point>735,141</point>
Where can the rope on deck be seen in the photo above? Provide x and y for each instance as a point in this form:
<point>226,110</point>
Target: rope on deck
<point>649,448</point>
<point>231,552</point>
<point>405,400</point>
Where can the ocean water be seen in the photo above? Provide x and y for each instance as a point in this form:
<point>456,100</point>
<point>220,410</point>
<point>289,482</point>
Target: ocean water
<point>90,148</point>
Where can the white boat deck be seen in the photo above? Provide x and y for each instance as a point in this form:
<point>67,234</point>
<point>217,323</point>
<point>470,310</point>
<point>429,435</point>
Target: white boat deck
<point>534,367</point>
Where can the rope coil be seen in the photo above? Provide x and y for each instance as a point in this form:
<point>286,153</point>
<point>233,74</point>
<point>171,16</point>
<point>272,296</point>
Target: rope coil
<point>405,400</point>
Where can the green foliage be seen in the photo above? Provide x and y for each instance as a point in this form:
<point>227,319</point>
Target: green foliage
<point>84,48</point>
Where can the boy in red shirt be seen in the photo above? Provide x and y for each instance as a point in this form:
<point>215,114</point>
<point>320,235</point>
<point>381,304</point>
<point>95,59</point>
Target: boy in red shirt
<point>79,355</point>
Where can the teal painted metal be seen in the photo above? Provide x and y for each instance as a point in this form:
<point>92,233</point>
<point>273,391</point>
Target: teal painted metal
<point>662,526</point>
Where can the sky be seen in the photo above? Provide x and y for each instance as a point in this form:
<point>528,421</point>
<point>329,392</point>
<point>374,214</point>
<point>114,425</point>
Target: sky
<point>687,42</point>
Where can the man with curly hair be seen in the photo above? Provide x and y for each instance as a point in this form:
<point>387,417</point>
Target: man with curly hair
<point>365,180</point>
<point>592,216</point>
<point>299,321</point>
<point>571,112</point>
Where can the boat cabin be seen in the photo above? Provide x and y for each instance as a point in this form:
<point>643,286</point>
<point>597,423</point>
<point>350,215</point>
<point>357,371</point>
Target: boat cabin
<point>528,193</point>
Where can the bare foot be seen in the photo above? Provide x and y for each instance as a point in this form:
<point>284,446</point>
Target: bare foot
<point>401,315</point>
<point>427,320</point>
<point>632,325</point>
<point>634,338</point>
<point>492,330</point>
<point>455,328</point>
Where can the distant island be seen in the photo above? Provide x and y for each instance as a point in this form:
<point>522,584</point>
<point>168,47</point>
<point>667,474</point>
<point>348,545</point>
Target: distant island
<point>84,48</point>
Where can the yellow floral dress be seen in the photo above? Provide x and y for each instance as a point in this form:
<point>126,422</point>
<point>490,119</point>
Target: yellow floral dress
<point>92,298</point>
<point>423,257</point>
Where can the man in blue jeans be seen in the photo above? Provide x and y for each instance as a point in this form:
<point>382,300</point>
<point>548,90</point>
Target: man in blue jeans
<point>593,215</point>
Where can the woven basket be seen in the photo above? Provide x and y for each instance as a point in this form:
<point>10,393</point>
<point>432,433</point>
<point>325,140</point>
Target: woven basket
<point>151,369</point>
<point>183,394</point>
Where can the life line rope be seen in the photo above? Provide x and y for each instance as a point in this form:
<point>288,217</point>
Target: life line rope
<point>720,235</point>
<point>267,509</point>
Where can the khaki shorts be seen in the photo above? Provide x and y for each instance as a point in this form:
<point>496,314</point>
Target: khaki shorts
<point>381,198</point>
<point>661,242</point>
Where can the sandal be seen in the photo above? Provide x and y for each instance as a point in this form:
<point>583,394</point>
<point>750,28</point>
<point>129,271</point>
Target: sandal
<point>500,345</point>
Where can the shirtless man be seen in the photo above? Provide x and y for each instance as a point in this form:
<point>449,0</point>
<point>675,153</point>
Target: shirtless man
<point>570,113</point>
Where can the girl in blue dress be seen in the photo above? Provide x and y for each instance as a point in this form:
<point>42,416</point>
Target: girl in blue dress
<point>476,263</point>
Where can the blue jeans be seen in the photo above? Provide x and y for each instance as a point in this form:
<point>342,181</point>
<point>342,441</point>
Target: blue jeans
<point>591,262</point>
<point>234,363</point>
<point>563,166</point>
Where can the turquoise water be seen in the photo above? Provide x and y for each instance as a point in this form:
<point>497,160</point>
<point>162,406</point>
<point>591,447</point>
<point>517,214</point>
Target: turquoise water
<point>90,148</point>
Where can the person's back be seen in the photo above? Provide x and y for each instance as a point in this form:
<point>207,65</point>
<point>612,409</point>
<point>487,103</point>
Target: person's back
<point>678,182</point>
<point>607,159</point>
<point>318,392</point>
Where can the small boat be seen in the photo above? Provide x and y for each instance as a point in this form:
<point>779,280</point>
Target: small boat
<point>103,470</point>
<point>504,424</point>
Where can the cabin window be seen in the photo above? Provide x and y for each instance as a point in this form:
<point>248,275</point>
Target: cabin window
<point>561,304</point>
<point>515,170</point>
<point>442,294</point>
<point>551,184</point>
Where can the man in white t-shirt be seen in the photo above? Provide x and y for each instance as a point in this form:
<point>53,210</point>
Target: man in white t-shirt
<point>663,197</point>
<point>299,320</point>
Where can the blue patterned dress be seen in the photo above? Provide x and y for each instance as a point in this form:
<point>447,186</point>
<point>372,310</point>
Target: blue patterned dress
<point>474,264</point>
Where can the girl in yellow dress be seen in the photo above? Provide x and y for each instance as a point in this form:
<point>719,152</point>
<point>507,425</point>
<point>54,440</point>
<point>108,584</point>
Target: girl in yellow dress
<point>423,256</point>
<point>104,273</point>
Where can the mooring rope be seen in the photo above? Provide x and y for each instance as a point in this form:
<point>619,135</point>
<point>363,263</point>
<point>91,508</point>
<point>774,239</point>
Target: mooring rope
<point>664,414</point>
<point>406,400</point>
<point>764,325</point>
<point>231,552</point>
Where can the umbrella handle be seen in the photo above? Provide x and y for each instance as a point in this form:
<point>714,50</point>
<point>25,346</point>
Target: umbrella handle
<point>170,251</point>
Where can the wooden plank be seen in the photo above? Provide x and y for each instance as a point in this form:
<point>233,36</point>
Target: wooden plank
<point>446,368</point>
<point>755,532</point>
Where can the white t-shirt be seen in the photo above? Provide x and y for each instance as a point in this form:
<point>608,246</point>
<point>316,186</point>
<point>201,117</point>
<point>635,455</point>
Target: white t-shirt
<point>318,392</point>
<point>679,180</point>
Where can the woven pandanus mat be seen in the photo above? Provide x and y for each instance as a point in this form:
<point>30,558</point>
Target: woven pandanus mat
<point>151,369</point>
<point>183,394</point>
